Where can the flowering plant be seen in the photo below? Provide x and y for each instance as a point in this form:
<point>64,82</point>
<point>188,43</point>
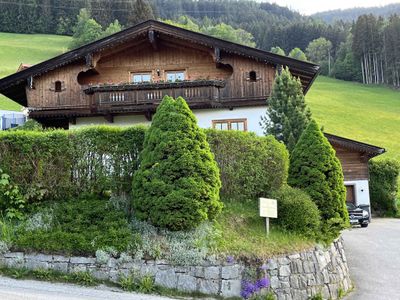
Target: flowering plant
<point>249,289</point>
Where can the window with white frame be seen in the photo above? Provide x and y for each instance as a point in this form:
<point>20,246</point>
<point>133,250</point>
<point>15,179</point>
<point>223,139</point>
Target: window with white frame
<point>173,76</point>
<point>141,77</point>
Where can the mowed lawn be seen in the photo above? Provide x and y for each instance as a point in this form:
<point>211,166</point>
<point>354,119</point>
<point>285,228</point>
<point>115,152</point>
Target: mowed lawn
<point>29,49</point>
<point>370,114</point>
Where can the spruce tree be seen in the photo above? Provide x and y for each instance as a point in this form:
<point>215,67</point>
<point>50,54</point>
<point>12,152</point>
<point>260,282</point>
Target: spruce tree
<point>141,11</point>
<point>315,168</point>
<point>177,185</point>
<point>287,113</point>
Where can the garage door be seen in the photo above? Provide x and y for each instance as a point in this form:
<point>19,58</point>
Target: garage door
<point>350,196</point>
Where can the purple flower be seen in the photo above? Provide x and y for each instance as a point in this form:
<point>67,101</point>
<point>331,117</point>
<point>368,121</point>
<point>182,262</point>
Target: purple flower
<point>248,289</point>
<point>262,283</point>
<point>264,267</point>
<point>230,259</point>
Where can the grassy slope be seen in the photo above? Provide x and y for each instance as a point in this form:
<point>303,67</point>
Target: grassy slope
<point>366,113</point>
<point>29,49</point>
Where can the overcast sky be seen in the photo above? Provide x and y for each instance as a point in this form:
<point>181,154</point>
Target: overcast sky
<point>308,7</point>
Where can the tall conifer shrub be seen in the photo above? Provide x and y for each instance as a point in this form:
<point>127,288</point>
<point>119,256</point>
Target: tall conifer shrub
<point>315,168</point>
<point>177,185</point>
<point>287,113</point>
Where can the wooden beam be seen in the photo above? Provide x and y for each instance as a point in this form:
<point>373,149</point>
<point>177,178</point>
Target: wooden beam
<point>148,115</point>
<point>153,39</point>
<point>109,118</point>
<point>31,85</point>
<point>217,55</point>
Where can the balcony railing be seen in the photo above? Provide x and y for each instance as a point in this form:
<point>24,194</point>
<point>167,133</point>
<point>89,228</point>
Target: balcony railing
<point>108,96</point>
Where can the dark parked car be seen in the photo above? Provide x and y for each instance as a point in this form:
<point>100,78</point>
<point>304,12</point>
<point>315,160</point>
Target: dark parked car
<point>359,215</point>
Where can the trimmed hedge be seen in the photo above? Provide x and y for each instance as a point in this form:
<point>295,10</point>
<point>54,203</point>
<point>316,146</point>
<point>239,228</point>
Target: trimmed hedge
<point>58,164</point>
<point>383,186</point>
<point>297,212</point>
<point>250,166</point>
<point>177,184</point>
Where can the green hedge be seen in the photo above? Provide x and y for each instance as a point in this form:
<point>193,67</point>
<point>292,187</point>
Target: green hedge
<point>384,186</point>
<point>250,166</point>
<point>297,212</point>
<point>57,164</point>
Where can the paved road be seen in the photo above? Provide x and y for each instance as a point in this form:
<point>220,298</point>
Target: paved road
<point>12,289</point>
<point>373,256</point>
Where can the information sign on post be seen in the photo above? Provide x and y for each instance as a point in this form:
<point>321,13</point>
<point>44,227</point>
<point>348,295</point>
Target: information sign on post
<point>268,209</point>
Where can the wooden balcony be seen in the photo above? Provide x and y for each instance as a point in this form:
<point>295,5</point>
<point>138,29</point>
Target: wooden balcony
<point>145,96</point>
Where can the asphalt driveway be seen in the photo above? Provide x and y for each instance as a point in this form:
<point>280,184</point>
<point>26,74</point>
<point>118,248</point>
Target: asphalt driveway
<point>12,289</point>
<point>373,256</point>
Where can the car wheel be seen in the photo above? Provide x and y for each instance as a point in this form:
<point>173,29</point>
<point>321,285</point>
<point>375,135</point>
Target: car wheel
<point>364,225</point>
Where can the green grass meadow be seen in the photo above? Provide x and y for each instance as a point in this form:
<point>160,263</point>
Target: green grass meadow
<point>370,114</point>
<point>29,49</point>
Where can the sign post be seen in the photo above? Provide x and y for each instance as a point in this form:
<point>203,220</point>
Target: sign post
<point>268,209</point>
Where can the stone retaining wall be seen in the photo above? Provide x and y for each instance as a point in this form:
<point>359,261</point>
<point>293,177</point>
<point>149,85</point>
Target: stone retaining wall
<point>297,276</point>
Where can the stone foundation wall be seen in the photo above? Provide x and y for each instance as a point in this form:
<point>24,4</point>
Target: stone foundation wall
<point>296,276</point>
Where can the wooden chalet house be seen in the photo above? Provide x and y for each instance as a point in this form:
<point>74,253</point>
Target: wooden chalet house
<point>122,78</point>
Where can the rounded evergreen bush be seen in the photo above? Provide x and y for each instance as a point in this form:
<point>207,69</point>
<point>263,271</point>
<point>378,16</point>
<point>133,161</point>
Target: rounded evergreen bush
<point>315,168</point>
<point>177,184</point>
<point>297,212</point>
<point>383,186</point>
<point>251,166</point>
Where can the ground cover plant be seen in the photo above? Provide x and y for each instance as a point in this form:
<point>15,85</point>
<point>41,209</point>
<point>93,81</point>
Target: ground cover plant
<point>73,227</point>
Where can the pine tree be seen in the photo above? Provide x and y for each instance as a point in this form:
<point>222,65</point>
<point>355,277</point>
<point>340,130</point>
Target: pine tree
<point>315,168</point>
<point>177,185</point>
<point>287,113</point>
<point>141,11</point>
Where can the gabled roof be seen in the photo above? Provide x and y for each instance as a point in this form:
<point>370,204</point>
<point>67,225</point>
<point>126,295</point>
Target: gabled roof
<point>370,150</point>
<point>13,86</point>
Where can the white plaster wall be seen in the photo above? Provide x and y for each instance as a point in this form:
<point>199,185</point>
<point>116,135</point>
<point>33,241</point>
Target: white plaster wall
<point>252,114</point>
<point>361,189</point>
<point>204,117</point>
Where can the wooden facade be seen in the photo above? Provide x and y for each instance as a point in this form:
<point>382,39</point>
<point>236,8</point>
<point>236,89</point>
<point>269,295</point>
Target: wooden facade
<point>98,79</point>
<point>353,156</point>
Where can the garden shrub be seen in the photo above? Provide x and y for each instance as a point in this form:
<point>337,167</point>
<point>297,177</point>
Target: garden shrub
<point>250,166</point>
<point>40,162</point>
<point>297,212</point>
<point>315,168</point>
<point>79,227</point>
<point>383,186</point>
<point>105,158</point>
<point>177,184</point>
<point>58,164</point>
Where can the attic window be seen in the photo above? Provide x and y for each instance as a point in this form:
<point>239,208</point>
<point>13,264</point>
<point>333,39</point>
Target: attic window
<point>57,86</point>
<point>253,76</point>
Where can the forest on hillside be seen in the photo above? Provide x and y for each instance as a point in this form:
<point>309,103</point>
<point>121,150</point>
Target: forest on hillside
<point>352,14</point>
<point>366,50</point>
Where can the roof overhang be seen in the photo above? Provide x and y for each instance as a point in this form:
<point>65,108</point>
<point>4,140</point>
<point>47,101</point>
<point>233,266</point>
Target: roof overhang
<point>369,150</point>
<point>13,86</point>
